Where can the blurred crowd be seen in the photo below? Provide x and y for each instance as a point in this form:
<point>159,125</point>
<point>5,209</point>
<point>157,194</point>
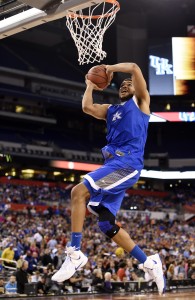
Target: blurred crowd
<point>45,195</point>
<point>37,243</point>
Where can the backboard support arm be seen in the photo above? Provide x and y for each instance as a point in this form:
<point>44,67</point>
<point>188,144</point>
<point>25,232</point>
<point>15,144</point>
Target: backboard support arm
<point>44,4</point>
<point>51,10</point>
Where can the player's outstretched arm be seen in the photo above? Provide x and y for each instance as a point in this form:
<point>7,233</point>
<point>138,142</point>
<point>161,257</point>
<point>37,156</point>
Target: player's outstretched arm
<point>98,111</point>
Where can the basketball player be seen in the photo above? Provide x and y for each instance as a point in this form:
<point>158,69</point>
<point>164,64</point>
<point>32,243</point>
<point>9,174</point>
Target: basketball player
<point>105,188</point>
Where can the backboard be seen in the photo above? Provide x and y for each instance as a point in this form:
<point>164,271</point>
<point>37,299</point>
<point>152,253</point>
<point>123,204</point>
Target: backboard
<point>17,16</point>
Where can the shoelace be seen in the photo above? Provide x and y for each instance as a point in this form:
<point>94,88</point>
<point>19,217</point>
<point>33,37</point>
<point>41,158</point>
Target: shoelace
<point>66,262</point>
<point>70,250</point>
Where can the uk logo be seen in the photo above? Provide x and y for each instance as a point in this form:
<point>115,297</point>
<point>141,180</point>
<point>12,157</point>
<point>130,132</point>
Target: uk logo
<point>187,116</point>
<point>161,65</point>
<point>116,116</point>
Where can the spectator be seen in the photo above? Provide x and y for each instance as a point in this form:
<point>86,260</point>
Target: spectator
<point>50,211</point>
<point>97,277</point>
<point>20,262</point>
<point>41,285</point>
<point>2,286</point>
<point>50,285</point>
<point>121,273</point>
<point>193,276</point>
<point>20,247</point>
<point>135,277</point>
<point>35,276</point>
<point>107,286</point>
<point>112,268</point>
<point>52,243</point>
<point>181,269</point>
<point>22,277</point>
<point>38,238</point>
<point>181,276</point>
<point>58,258</point>
<point>34,248</point>
<point>8,253</point>
<point>32,261</point>
<point>11,285</point>
<point>87,274</point>
<point>46,257</point>
<point>170,271</point>
<point>50,269</point>
<point>35,260</point>
<point>191,270</point>
<point>76,282</point>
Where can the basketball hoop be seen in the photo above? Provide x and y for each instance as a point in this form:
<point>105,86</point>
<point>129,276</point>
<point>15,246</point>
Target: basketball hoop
<point>87,29</point>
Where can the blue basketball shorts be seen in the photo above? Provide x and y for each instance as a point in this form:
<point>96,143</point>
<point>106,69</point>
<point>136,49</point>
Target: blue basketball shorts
<point>107,185</point>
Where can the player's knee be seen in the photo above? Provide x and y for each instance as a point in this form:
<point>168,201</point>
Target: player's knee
<point>79,193</point>
<point>109,228</point>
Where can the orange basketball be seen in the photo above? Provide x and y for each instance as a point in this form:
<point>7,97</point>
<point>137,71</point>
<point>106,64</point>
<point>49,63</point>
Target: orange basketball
<point>97,75</point>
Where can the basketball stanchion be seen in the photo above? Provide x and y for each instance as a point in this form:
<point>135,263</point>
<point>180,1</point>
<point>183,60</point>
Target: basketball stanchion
<point>88,28</point>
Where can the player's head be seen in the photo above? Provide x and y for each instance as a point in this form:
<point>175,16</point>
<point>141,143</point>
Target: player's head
<point>126,90</point>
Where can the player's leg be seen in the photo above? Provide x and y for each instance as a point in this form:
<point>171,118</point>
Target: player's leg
<point>79,195</point>
<point>75,259</point>
<point>89,188</point>
<point>152,265</point>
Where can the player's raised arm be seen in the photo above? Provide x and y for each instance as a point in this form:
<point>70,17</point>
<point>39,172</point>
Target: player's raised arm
<point>98,111</point>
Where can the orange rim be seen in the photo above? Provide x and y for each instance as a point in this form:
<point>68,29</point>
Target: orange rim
<point>114,2</point>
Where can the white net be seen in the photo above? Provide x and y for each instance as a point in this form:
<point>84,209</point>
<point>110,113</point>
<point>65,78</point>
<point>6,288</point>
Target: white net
<point>87,30</point>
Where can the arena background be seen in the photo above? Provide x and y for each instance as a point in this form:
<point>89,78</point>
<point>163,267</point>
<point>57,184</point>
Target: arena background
<point>41,87</point>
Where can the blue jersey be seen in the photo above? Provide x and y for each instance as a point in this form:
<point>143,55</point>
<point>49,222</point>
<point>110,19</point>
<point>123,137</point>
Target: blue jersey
<point>126,133</point>
<point>126,136</point>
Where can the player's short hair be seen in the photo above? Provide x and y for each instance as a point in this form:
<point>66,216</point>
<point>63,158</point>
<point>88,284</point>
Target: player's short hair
<point>128,79</point>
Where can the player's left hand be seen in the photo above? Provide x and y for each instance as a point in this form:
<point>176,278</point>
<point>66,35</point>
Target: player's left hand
<point>93,85</point>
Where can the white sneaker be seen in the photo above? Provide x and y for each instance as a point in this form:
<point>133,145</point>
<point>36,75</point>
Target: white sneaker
<point>73,262</point>
<point>153,268</point>
<point>147,276</point>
